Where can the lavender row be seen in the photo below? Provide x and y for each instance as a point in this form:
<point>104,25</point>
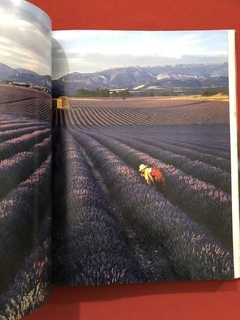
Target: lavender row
<point>202,201</point>
<point>89,246</point>
<point>31,107</point>
<point>193,252</point>
<point>20,219</point>
<point>212,157</point>
<point>15,122</point>
<point>200,170</point>
<point>210,139</point>
<point>20,166</point>
<point>203,138</point>
<point>162,115</point>
<point>106,117</point>
<point>22,143</point>
<point>9,122</point>
<point>17,132</point>
<point>217,159</point>
<point>215,151</point>
<point>31,285</point>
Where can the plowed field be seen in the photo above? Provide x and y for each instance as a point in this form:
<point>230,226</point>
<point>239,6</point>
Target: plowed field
<point>109,225</point>
<point>25,200</point>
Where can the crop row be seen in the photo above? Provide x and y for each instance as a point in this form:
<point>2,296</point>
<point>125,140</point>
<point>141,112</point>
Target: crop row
<point>159,138</point>
<point>107,117</point>
<point>21,217</point>
<point>200,170</point>
<point>113,112</point>
<point>202,201</point>
<point>145,103</point>
<point>190,248</point>
<point>89,246</point>
<point>82,103</point>
<point>28,107</point>
<point>216,148</point>
<point>9,134</point>
<point>21,165</point>
<point>172,139</point>
<point>23,143</point>
<point>10,120</point>
<point>25,214</point>
<point>25,201</point>
<point>216,158</point>
<point>205,138</point>
<point>32,281</point>
<point>17,93</point>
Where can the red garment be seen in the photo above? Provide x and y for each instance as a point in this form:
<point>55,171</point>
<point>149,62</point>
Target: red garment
<point>157,175</point>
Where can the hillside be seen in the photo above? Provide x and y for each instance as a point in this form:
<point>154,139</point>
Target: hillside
<point>28,77</point>
<point>176,78</point>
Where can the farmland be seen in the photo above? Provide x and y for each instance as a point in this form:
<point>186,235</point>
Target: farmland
<point>25,200</point>
<point>109,226</point>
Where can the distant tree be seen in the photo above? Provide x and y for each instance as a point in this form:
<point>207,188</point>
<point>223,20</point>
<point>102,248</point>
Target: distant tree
<point>124,94</point>
<point>104,93</point>
<point>150,94</point>
<point>205,93</point>
<point>82,93</point>
<point>164,93</point>
<point>113,94</point>
<point>91,93</point>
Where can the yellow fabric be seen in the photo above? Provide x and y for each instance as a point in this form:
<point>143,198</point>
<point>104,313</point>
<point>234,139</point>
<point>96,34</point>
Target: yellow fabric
<point>147,172</point>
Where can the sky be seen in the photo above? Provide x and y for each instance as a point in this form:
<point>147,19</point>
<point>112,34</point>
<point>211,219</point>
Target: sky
<point>89,51</point>
<point>25,36</point>
<point>25,42</point>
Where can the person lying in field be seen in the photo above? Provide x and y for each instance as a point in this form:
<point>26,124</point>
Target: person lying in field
<point>153,176</point>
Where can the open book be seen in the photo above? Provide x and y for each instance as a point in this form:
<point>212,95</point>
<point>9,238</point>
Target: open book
<point>118,157</point>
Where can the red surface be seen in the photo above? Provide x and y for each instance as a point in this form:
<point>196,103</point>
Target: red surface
<point>177,300</point>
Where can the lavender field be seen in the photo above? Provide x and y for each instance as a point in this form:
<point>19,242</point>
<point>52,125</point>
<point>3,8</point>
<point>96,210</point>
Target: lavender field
<point>109,226</point>
<point>25,200</point>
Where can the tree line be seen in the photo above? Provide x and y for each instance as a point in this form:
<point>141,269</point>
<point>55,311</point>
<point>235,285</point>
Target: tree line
<point>84,93</point>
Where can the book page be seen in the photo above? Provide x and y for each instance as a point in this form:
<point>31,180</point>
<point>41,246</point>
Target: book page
<point>144,173</point>
<point>25,158</point>
<point>234,149</point>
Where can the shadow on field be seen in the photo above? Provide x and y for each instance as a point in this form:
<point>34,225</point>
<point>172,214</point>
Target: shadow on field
<point>59,178</point>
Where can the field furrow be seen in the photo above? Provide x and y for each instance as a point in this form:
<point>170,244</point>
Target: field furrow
<point>217,158</point>
<point>23,143</point>
<point>20,166</point>
<point>9,134</point>
<point>198,169</point>
<point>204,203</point>
<point>20,219</point>
<point>151,212</point>
<point>34,273</point>
<point>25,200</point>
<point>183,231</point>
<point>104,257</point>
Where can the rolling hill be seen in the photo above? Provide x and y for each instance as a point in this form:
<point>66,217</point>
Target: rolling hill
<point>144,78</point>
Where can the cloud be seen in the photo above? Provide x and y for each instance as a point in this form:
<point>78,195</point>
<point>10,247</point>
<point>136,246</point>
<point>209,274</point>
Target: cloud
<point>26,36</point>
<point>60,64</point>
<point>88,50</point>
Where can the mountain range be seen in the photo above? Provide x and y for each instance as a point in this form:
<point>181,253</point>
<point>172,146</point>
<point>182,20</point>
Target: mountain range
<point>28,77</point>
<point>137,79</point>
<point>145,78</point>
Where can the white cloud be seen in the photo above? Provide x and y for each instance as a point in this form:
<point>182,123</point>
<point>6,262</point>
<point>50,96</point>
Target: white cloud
<point>89,50</point>
<point>25,40</point>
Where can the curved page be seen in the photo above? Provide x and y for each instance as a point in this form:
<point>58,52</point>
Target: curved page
<point>25,158</point>
<point>145,164</point>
